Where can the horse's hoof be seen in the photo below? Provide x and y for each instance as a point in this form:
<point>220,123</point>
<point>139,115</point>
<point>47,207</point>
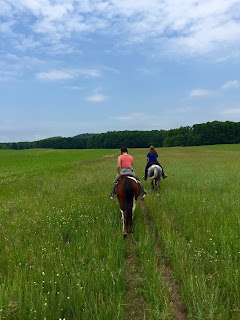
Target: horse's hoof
<point>125,235</point>
<point>157,194</point>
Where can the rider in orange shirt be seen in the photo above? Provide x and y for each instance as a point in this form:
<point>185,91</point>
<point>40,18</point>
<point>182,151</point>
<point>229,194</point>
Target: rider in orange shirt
<point>124,167</point>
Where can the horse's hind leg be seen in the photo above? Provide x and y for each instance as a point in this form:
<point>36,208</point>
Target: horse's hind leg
<point>133,209</point>
<point>158,189</point>
<point>124,225</point>
<point>152,186</point>
<point>131,227</point>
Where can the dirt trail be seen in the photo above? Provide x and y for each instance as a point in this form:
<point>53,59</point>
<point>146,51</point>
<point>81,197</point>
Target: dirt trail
<point>175,297</point>
<point>136,308</point>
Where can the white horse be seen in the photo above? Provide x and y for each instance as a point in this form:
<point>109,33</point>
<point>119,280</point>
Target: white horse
<point>155,173</point>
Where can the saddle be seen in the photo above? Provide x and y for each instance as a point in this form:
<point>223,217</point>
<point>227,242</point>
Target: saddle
<point>130,177</point>
<point>152,163</point>
<point>134,179</point>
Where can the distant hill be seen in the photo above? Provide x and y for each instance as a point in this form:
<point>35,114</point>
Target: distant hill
<point>57,137</point>
<point>84,135</point>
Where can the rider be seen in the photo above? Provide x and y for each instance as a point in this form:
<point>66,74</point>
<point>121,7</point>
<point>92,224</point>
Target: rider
<point>124,167</point>
<point>152,159</point>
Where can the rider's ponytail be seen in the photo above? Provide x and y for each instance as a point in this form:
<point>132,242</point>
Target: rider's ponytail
<point>153,151</point>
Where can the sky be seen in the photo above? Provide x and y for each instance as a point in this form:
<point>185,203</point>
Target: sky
<point>69,67</point>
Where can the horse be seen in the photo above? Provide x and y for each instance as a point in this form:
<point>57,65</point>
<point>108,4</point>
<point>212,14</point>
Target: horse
<point>127,190</point>
<point>155,173</point>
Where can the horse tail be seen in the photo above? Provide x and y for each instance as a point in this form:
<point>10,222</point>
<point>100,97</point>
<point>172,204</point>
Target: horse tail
<point>128,199</point>
<point>155,174</point>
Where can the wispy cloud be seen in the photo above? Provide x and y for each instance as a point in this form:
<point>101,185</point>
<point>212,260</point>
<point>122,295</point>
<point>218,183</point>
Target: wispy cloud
<point>222,59</point>
<point>13,66</point>
<point>130,117</point>
<point>189,27</point>
<point>76,88</point>
<point>206,93</point>
<point>96,97</point>
<point>55,75</point>
<point>200,93</point>
<point>231,84</point>
<point>140,118</point>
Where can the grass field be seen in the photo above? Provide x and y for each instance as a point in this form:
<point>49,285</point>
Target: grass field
<point>62,254</point>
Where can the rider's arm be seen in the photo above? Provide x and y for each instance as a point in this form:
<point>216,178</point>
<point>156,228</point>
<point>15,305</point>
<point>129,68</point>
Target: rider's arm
<point>119,165</point>
<point>148,155</point>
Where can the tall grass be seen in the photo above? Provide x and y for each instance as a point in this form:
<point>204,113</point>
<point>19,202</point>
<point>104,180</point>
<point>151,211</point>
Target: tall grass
<point>62,251</point>
<point>62,254</point>
<point>35,161</point>
<point>198,222</point>
<point>61,246</point>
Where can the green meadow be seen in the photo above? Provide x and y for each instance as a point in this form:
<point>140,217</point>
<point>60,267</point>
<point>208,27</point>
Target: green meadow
<point>62,253</point>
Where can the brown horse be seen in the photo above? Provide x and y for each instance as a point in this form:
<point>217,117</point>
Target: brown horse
<point>127,190</point>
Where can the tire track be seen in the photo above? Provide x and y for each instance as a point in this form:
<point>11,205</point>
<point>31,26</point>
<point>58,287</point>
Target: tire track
<point>175,298</point>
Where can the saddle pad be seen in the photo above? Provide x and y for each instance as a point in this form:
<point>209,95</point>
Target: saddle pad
<point>134,179</point>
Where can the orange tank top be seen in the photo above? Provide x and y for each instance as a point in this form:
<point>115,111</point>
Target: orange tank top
<point>126,161</point>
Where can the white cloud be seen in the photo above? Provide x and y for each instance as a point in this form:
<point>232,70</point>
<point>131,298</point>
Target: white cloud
<point>231,84</point>
<point>187,26</point>
<point>222,59</point>
<point>131,116</point>
<point>200,93</point>
<point>97,97</point>
<point>56,75</point>
<point>76,88</point>
<point>89,73</point>
<point>139,117</point>
<point>13,66</point>
<point>6,28</point>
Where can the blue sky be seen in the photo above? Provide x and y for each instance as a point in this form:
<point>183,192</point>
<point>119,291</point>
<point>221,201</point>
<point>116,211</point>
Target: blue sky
<point>89,66</point>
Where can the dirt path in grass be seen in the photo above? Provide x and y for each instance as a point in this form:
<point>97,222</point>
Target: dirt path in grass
<point>175,297</point>
<point>136,308</point>
<point>96,159</point>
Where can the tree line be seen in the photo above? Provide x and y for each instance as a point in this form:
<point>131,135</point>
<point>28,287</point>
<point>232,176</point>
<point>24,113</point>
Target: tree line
<point>209,133</point>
